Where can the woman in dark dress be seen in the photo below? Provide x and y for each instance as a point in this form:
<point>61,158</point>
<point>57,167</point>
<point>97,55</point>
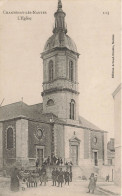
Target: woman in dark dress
<point>15,180</point>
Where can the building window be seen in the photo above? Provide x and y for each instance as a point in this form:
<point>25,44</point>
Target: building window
<point>95,159</point>
<point>72,109</point>
<point>50,102</point>
<point>51,70</point>
<point>71,70</point>
<point>109,161</point>
<point>9,138</point>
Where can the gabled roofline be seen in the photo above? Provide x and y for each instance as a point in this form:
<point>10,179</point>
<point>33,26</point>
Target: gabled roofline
<point>14,104</point>
<point>63,123</point>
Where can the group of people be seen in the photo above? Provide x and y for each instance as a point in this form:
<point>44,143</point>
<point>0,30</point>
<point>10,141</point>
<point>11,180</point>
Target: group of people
<point>53,160</point>
<point>32,178</point>
<point>60,176</point>
<point>26,179</point>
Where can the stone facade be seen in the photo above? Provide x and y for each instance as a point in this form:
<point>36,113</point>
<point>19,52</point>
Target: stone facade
<point>61,90</point>
<point>55,125</point>
<point>34,141</point>
<point>22,140</point>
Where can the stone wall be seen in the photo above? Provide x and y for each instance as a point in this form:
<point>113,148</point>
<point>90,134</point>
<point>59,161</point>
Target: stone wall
<point>87,152</point>
<point>68,134</point>
<point>107,170</point>
<point>59,149</point>
<point>61,106</point>
<point>33,140</point>
<point>98,145</point>
<point>60,81</point>
<point>22,141</point>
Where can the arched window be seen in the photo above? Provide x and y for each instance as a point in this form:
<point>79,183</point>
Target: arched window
<point>71,70</point>
<point>72,109</point>
<point>51,70</point>
<point>50,102</point>
<point>9,138</point>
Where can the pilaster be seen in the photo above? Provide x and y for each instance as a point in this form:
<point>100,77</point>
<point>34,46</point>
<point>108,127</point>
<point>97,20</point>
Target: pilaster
<point>22,140</point>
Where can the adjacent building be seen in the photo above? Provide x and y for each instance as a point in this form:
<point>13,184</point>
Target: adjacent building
<point>118,135</point>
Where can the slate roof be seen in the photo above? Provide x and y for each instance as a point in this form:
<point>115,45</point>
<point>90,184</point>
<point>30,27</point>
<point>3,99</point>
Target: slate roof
<point>21,109</point>
<point>35,112</point>
<point>56,41</point>
<point>86,124</point>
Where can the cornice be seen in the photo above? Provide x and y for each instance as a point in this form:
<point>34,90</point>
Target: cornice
<point>56,90</point>
<point>58,49</point>
<point>51,82</point>
<point>54,123</point>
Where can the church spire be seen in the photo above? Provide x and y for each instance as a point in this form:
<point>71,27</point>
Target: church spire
<point>60,25</point>
<point>59,4</point>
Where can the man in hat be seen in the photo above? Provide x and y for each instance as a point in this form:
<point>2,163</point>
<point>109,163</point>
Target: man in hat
<point>60,177</point>
<point>92,184</point>
<point>66,176</point>
<point>54,177</point>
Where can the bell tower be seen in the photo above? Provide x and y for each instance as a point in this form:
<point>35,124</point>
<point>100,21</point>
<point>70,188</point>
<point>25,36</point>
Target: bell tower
<point>60,72</point>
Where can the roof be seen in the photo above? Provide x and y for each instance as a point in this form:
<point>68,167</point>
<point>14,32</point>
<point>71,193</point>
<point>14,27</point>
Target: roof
<point>86,124</point>
<point>21,109</point>
<point>117,90</point>
<point>35,112</point>
<point>60,40</point>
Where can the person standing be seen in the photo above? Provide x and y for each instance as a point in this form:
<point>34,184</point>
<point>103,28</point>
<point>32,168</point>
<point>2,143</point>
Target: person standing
<point>107,178</point>
<point>14,180</point>
<point>61,161</point>
<point>54,177</point>
<point>60,177</point>
<point>92,183</point>
<point>57,173</point>
<point>66,176</point>
<point>37,163</point>
<point>58,161</point>
<point>95,181</point>
<point>70,175</point>
<point>48,160</point>
<point>54,160</point>
<point>43,177</point>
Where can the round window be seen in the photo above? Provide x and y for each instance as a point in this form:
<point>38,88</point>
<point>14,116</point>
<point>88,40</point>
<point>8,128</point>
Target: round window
<point>39,133</point>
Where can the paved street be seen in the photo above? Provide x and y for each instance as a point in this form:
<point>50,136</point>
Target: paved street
<point>77,188</point>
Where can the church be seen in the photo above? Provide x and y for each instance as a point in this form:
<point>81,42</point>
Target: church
<point>28,132</point>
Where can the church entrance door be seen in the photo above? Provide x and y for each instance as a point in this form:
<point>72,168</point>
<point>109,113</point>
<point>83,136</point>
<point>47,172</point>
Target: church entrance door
<point>40,155</point>
<point>74,154</point>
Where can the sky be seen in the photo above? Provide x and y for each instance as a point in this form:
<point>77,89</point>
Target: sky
<point>91,24</point>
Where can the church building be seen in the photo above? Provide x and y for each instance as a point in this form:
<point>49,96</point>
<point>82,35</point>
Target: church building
<point>28,132</point>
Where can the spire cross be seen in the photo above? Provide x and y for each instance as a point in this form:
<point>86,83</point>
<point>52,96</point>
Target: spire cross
<point>59,4</point>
